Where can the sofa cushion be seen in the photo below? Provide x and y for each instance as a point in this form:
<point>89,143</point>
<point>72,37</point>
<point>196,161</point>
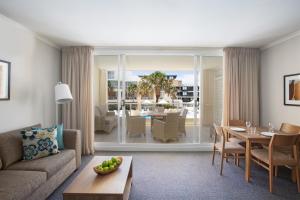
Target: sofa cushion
<point>11,146</point>
<point>39,143</point>
<point>15,185</point>
<point>50,164</point>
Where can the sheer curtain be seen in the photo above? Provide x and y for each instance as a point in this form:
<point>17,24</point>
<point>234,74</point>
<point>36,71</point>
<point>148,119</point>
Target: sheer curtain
<point>77,67</point>
<point>103,87</point>
<point>241,82</point>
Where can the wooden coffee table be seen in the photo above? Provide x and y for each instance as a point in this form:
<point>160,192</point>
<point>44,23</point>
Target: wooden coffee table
<point>89,185</point>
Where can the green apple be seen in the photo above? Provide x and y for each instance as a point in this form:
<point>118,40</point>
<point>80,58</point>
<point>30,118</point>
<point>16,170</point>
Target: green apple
<point>113,159</point>
<point>118,161</point>
<point>105,169</point>
<point>104,163</point>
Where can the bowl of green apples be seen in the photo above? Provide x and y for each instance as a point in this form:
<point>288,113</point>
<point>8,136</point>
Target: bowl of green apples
<point>108,166</point>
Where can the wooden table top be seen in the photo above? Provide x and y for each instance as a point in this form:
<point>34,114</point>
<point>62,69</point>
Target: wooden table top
<point>151,114</point>
<point>88,182</point>
<point>246,135</point>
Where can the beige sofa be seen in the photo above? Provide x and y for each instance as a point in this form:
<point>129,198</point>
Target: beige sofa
<point>36,179</point>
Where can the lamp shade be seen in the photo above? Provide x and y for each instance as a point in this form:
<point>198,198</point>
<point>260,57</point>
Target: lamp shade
<point>62,93</point>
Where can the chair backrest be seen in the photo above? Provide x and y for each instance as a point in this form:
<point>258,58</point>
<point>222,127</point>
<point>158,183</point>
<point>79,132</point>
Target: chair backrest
<point>289,128</point>
<point>184,113</point>
<point>160,109</point>
<point>237,123</point>
<point>219,130</point>
<point>284,140</point>
<point>172,122</point>
<point>103,110</point>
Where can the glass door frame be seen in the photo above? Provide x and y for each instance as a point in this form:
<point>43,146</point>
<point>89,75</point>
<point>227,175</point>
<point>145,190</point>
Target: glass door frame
<point>121,143</point>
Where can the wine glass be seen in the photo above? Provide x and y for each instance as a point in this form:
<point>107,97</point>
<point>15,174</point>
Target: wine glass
<point>248,125</point>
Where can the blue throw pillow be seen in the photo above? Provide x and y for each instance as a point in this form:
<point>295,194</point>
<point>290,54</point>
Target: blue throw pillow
<point>59,135</point>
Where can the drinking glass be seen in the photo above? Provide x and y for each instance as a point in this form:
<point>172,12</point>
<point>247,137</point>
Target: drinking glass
<point>253,130</point>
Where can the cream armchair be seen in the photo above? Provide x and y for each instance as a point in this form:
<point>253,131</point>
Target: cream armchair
<point>168,129</point>
<point>105,120</point>
<point>136,125</point>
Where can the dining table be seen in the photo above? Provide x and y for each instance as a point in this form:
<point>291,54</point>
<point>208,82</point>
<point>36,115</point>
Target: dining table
<point>250,138</point>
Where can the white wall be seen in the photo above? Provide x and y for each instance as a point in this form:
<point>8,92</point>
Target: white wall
<point>276,62</point>
<point>35,69</point>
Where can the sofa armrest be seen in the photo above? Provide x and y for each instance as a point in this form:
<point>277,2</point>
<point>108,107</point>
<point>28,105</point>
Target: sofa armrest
<point>72,140</point>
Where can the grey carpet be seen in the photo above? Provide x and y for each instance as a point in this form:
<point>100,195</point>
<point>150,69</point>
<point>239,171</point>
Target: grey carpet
<point>190,175</point>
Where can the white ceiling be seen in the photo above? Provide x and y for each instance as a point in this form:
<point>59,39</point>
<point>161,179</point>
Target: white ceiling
<point>161,23</point>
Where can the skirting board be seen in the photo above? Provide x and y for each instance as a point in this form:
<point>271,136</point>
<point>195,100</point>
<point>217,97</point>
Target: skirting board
<point>99,146</point>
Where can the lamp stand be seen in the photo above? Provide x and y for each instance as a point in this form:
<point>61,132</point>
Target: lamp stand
<point>56,113</point>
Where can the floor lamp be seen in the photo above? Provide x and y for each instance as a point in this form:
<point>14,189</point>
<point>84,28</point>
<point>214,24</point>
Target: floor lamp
<point>62,95</point>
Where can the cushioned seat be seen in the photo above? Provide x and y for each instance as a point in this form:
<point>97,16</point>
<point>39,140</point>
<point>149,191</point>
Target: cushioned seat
<point>235,140</point>
<point>50,164</point>
<point>19,184</point>
<point>263,155</point>
<point>231,146</point>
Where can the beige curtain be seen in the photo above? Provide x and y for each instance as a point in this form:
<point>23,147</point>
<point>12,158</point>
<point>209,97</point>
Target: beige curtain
<point>103,87</point>
<point>241,79</point>
<point>77,67</point>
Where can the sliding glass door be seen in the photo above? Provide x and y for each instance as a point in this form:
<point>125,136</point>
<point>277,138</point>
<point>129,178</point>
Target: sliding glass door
<point>136,95</point>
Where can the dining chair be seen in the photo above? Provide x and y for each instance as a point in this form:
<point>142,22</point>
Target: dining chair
<point>289,129</point>
<point>271,157</point>
<point>238,123</point>
<point>225,148</point>
<point>159,109</point>
<point>182,119</point>
<point>168,129</point>
<point>136,125</point>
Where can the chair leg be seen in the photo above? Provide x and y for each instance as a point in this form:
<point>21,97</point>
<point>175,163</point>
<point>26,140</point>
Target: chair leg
<point>298,178</point>
<point>238,160</point>
<point>271,173</point>
<point>234,157</point>
<point>276,171</point>
<point>213,158</point>
<point>226,157</point>
<point>293,175</point>
<point>222,159</point>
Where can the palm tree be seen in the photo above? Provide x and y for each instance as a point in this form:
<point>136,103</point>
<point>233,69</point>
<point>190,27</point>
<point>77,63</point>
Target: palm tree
<point>132,90</point>
<point>170,89</point>
<point>158,80</point>
<point>145,88</point>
